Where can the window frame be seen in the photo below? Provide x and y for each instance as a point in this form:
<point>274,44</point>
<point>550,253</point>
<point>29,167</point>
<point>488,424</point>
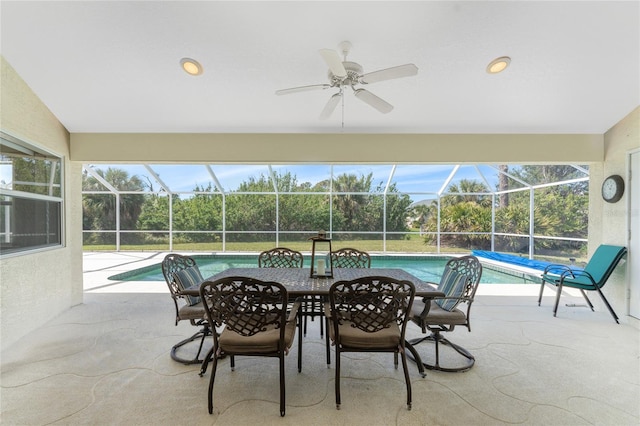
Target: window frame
<point>17,146</point>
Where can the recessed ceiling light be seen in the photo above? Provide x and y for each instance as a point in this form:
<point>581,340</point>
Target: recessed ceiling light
<point>191,66</point>
<point>498,65</point>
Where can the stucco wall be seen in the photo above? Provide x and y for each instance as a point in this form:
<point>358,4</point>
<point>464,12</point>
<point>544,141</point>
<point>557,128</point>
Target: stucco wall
<point>607,221</point>
<point>36,287</point>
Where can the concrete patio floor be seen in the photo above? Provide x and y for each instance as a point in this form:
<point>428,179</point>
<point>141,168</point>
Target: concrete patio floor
<point>107,361</point>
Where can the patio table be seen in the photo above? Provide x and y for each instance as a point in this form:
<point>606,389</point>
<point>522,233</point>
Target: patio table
<point>298,283</point>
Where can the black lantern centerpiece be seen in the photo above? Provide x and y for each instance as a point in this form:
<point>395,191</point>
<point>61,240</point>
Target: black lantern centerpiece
<point>321,266</point>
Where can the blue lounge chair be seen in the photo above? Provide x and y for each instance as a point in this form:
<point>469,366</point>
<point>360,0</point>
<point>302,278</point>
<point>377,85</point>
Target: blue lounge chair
<point>591,278</point>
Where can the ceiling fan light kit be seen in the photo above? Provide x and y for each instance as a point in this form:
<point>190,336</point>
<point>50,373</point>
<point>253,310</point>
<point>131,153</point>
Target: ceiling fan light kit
<point>343,73</point>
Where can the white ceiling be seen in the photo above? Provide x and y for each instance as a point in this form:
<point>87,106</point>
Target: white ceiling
<point>114,66</point>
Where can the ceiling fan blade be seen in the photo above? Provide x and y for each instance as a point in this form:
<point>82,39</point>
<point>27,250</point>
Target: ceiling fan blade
<point>334,62</point>
<point>330,106</point>
<point>302,89</point>
<point>371,99</point>
<point>400,71</point>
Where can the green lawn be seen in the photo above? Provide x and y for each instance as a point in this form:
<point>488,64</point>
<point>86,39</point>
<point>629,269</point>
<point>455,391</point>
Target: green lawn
<point>414,244</point>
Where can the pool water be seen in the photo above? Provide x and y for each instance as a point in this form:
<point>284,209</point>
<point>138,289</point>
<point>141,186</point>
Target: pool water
<point>427,268</point>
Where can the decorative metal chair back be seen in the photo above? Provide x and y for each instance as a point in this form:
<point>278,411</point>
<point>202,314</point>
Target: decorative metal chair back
<point>246,306</point>
<point>171,264</point>
<point>372,303</point>
<point>350,258</point>
<point>470,267</point>
<point>280,257</point>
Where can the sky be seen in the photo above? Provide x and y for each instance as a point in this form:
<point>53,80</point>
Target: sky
<point>408,178</point>
<point>421,181</point>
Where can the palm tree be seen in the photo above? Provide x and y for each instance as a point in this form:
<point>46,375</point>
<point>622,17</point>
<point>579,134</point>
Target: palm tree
<point>348,198</point>
<point>99,210</point>
<point>467,191</point>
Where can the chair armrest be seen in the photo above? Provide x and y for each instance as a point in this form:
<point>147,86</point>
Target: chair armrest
<point>556,269</point>
<point>576,273</point>
<point>427,306</point>
<point>193,291</point>
<point>295,308</point>
<point>461,298</point>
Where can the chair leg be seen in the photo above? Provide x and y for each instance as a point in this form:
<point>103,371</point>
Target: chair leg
<point>205,362</point>
<point>604,299</point>
<point>558,292</point>
<point>304,314</point>
<point>282,385</point>
<point>406,378</point>
<point>327,342</point>
<point>606,302</point>
<point>207,359</point>
<point>337,378</point>
<point>437,338</point>
<point>321,314</point>
<point>587,299</point>
<point>309,310</point>
<point>211,380</point>
<point>541,291</point>
<point>202,335</point>
<point>299,319</point>
<point>415,356</point>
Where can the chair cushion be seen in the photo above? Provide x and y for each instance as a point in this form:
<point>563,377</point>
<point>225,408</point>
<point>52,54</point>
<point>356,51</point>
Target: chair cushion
<point>189,277</point>
<point>438,316</point>
<point>192,312</point>
<point>452,284</point>
<point>260,343</point>
<point>353,337</point>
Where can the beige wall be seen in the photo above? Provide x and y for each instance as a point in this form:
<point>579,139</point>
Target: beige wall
<point>274,148</point>
<point>36,287</point>
<point>608,222</point>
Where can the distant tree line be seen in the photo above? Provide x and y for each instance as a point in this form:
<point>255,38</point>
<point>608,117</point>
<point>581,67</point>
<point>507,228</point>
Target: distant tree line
<point>356,206</point>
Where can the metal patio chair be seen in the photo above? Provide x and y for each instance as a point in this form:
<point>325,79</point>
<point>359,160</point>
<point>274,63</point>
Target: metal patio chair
<point>345,258</point>
<point>370,315</point>
<point>256,322</point>
<point>592,278</point>
<point>459,283</point>
<point>181,272</point>
<point>283,257</point>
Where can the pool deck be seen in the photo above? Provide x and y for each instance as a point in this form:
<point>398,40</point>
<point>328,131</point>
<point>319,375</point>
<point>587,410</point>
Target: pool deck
<point>107,361</point>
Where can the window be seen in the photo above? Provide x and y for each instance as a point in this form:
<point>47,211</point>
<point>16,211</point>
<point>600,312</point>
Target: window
<point>31,197</point>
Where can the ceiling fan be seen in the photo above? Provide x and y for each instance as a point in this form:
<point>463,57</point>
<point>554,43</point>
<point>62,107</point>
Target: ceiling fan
<point>346,74</point>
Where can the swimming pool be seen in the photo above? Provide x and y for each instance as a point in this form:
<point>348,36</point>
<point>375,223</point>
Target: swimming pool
<point>427,268</point>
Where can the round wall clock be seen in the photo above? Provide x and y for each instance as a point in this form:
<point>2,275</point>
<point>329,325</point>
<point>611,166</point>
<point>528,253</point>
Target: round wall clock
<point>612,188</point>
